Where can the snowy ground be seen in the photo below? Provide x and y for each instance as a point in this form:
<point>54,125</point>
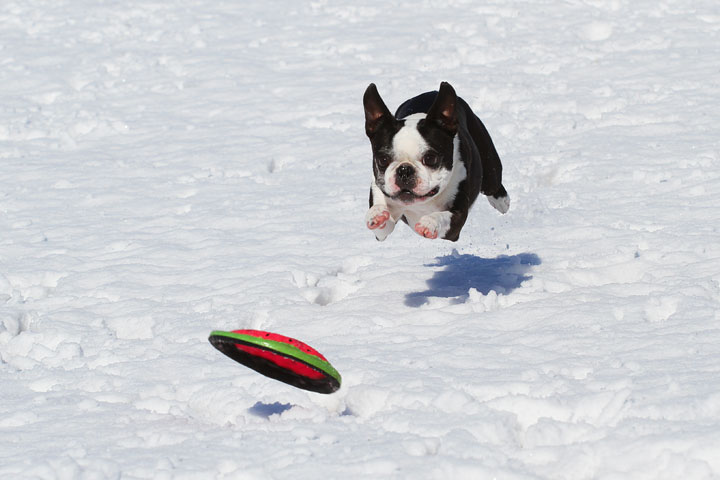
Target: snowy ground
<point>170,168</point>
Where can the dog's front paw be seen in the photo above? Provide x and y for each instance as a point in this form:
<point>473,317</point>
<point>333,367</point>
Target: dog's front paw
<point>433,225</point>
<point>377,217</point>
<point>379,221</point>
<point>425,231</point>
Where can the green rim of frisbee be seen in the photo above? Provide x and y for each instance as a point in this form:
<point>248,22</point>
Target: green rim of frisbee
<point>283,348</point>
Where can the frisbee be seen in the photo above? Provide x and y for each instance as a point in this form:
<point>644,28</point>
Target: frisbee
<point>279,357</point>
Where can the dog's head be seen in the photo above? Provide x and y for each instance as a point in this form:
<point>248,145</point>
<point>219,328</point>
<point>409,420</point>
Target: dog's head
<point>413,156</point>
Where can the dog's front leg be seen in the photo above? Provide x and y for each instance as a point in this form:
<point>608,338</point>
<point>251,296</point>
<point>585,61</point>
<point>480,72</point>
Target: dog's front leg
<point>378,218</point>
<point>445,224</point>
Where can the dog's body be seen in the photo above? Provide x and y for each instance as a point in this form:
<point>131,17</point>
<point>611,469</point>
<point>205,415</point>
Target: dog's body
<point>430,161</point>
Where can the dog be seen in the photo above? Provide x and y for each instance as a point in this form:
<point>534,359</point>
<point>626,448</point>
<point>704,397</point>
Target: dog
<point>431,160</point>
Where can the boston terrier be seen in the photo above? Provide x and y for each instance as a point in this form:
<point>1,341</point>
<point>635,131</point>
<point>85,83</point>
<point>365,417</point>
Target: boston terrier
<point>430,162</point>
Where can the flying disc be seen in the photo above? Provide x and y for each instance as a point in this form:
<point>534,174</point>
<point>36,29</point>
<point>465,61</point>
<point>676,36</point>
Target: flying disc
<point>279,357</point>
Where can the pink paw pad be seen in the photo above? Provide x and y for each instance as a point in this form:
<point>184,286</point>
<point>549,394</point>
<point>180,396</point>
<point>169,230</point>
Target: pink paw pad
<point>425,231</point>
<point>378,221</point>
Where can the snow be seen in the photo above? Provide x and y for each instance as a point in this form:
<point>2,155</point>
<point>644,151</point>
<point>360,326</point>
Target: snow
<point>172,168</point>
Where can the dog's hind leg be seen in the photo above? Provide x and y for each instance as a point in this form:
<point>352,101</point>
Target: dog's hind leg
<point>500,200</point>
<point>491,167</point>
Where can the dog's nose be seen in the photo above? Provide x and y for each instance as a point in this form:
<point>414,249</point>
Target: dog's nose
<point>405,176</point>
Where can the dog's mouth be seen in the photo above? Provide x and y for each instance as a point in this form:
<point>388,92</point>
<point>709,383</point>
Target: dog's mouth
<point>408,196</point>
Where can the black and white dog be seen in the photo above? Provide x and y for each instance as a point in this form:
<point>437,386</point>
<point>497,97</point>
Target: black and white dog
<point>430,160</point>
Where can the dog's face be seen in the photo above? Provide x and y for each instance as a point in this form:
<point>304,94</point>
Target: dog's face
<point>412,157</point>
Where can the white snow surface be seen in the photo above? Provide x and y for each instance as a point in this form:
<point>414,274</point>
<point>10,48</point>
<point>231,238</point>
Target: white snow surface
<point>171,168</point>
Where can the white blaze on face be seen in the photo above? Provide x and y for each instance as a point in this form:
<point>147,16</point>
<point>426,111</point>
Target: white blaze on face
<point>408,148</point>
<point>408,144</point>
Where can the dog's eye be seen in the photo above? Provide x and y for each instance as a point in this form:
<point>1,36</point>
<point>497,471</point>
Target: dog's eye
<point>382,160</point>
<point>431,159</point>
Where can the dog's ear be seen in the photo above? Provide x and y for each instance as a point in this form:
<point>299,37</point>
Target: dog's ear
<point>442,110</point>
<point>375,110</point>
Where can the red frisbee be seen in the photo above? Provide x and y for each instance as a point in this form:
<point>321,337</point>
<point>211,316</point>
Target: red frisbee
<point>279,357</point>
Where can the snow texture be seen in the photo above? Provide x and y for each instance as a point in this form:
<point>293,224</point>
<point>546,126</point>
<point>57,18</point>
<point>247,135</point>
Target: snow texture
<point>170,168</point>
